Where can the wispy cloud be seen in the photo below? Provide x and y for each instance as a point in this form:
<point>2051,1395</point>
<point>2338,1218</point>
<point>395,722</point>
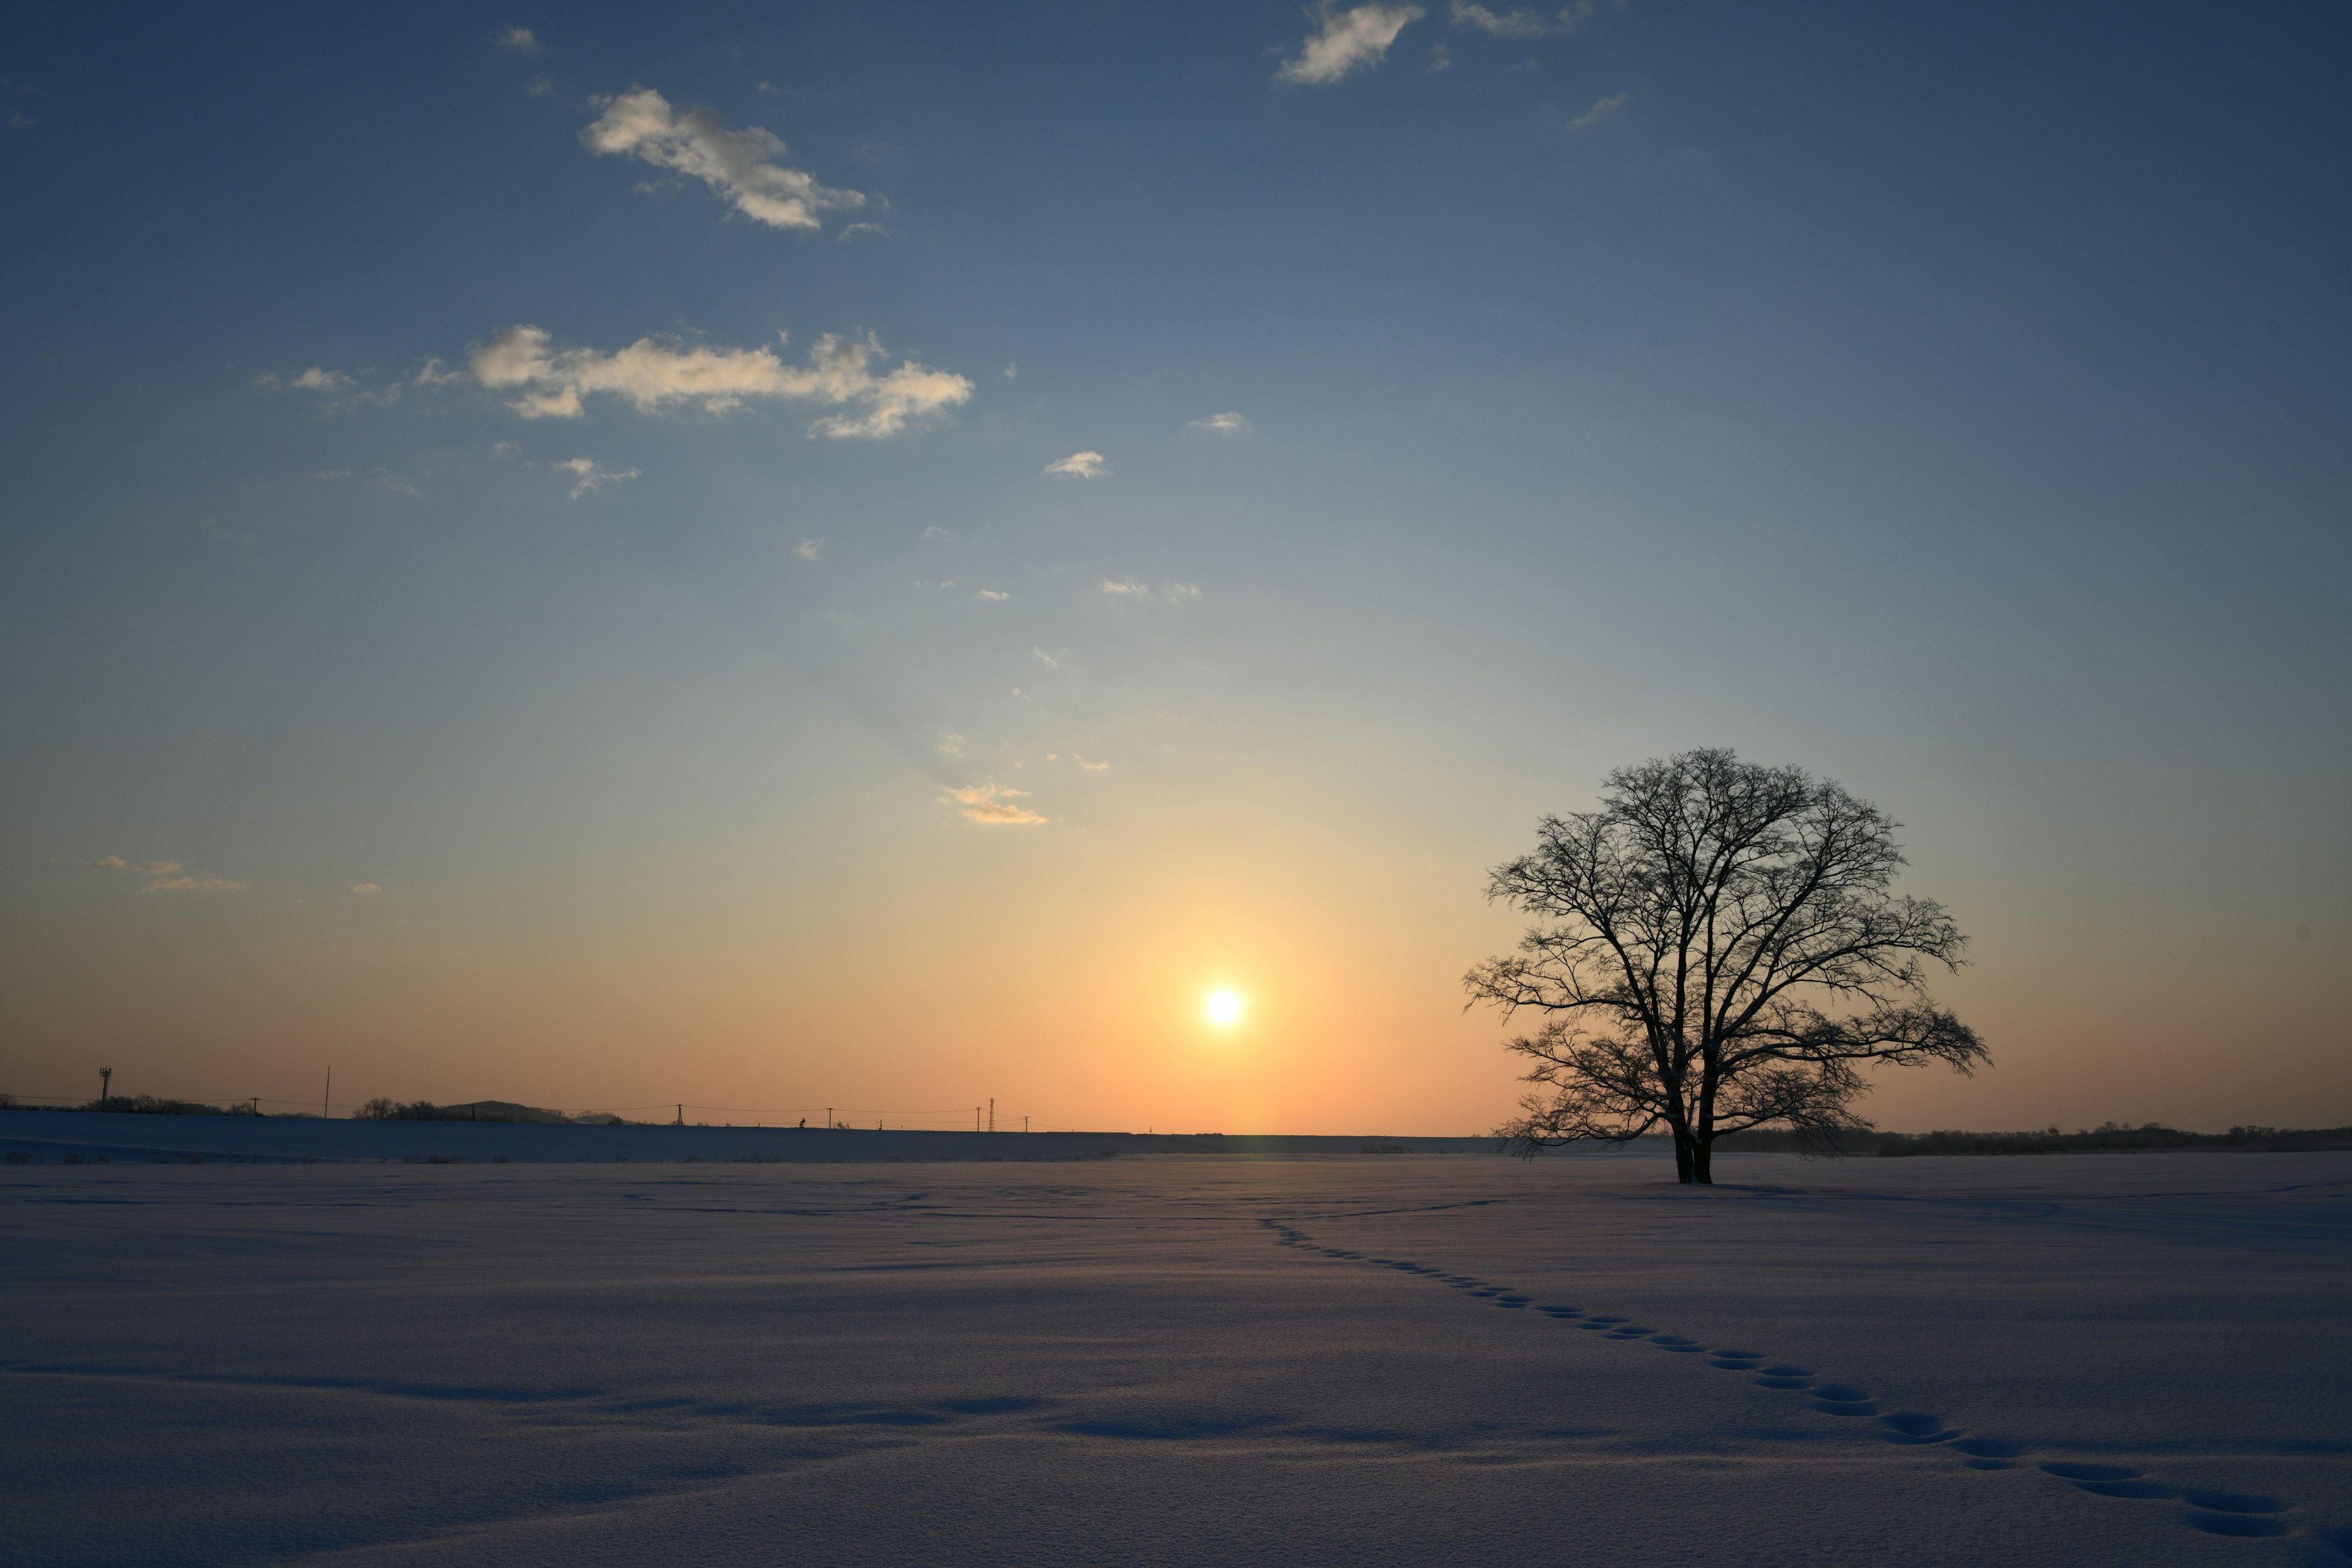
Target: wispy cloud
<point>193,885</point>
<point>991,596</point>
<point>517,41</point>
<point>1090,767</point>
<point>1602,110</point>
<point>1079,464</point>
<point>1128,588</point>
<point>652,375</point>
<point>110,863</point>
<point>991,804</point>
<point>591,476</point>
<point>854,229</point>
<point>1047,659</point>
<point>156,868</point>
<point>936,533</point>
<point>742,166</point>
<point>952,746</point>
<point>1345,41</point>
<point>809,549</point>
<point>366,889</point>
<point>1226,424</point>
<point>1524,22</point>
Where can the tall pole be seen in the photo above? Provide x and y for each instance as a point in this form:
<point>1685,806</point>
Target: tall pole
<point>992,1114</point>
<point>327,1097</point>
<point>105,1086</point>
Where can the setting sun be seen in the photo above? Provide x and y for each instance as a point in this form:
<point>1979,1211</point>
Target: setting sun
<point>1223,1008</point>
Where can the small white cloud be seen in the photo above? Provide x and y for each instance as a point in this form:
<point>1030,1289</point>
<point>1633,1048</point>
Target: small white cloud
<point>333,474</point>
<point>591,476</point>
<point>768,87</point>
<point>1440,59</point>
<point>992,806</point>
<point>517,41</point>
<point>991,596</point>
<point>318,380</point>
<point>1168,592</point>
<point>110,863</point>
<point>1226,424</point>
<point>1602,110</point>
<point>1047,659</point>
<point>653,375</point>
<point>193,885</point>
<point>156,868</point>
<point>366,889</point>
<point>936,533</point>
<point>952,746</point>
<point>1079,464</point>
<point>1011,370</point>
<point>503,448</point>
<point>876,229</point>
<point>1026,698</point>
<point>1351,40</point>
<point>540,85</point>
<point>740,165</point>
<point>1090,767</point>
<point>809,549</point>
<point>430,374</point>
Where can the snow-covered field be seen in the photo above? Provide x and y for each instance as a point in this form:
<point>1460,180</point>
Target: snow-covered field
<point>1418,1359</point>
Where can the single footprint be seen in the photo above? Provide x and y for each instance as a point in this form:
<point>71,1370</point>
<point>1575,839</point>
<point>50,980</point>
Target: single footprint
<point>2239,1524</point>
<point>1676,1343</point>
<point>2109,1480</point>
<point>2232,1503</point>
<point>1561,1311</point>
<point>1912,1426</point>
<point>1781,1375</point>
<point>1989,1453</point>
<point>1842,1399</point>
<point>1631,1331</point>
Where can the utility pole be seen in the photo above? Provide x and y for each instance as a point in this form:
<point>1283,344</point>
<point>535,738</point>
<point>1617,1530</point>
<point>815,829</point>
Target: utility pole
<point>1025,1125</point>
<point>828,1119</point>
<point>975,1119</point>
<point>992,1114</point>
<point>105,1086</point>
<point>681,1115</point>
<point>327,1098</point>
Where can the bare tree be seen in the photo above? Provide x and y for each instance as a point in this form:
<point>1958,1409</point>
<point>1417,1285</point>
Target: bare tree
<point>1717,949</point>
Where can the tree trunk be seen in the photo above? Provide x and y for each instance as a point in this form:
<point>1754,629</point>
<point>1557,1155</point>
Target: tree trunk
<point>1683,1156</point>
<point>1702,1161</point>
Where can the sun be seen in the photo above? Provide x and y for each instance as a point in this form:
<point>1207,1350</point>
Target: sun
<point>1223,1008</point>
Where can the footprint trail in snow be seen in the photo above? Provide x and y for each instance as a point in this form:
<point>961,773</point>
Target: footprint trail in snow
<point>2226,1513</point>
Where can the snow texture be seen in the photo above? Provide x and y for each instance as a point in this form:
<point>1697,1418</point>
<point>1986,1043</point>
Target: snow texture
<point>1405,1359</point>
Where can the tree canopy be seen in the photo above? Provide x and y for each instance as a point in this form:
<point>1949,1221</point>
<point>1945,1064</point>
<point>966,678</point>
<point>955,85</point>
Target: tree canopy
<point>1717,948</point>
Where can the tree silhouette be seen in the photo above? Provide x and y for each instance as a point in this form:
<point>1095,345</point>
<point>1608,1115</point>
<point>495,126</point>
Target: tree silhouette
<point>1717,949</point>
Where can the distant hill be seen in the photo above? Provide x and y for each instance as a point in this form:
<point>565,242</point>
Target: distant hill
<point>505,1111</point>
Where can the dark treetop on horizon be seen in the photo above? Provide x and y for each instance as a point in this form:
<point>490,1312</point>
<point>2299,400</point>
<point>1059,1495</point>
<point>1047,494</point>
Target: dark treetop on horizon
<point>1719,951</point>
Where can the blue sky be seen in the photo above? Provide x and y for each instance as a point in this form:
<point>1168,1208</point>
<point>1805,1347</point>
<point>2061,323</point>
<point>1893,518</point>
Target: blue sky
<point>1953,404</point>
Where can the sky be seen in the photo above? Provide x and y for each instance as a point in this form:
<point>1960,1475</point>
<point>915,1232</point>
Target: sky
<point>873,556</point>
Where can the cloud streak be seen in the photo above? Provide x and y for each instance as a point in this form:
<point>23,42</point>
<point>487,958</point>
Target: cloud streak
<point>1079,465</point>
<point>1226,424</point>
<point>1347,41</point>
<point>652,375</point>
<point>591,477</point>
<point>742,167</point>
<point>1524,22</point>
<point>1602,110</point>
<point>991,805</point>
<point>193,885</point>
